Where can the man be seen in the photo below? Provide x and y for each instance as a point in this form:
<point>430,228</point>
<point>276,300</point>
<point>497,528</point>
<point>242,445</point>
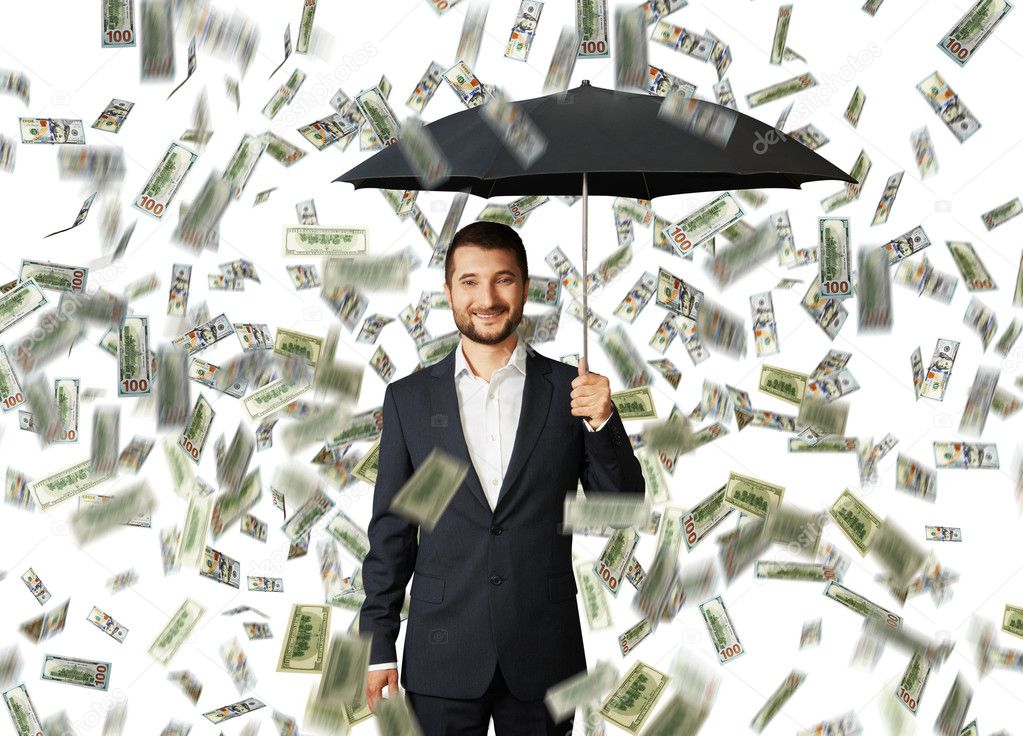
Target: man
<point>493,621</point>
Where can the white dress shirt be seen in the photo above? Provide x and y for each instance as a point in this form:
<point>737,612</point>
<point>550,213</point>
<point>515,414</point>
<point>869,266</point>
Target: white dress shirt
<point>490,418</point>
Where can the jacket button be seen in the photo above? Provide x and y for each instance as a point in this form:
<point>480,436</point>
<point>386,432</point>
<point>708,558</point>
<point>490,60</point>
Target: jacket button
<point>495,529</point>
<point>496,579</point>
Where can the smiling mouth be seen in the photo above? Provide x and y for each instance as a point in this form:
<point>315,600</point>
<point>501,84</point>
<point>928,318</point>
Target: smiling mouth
<point>485,317</point>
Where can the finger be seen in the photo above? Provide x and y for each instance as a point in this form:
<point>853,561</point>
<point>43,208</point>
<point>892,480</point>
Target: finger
<point>582,366</point>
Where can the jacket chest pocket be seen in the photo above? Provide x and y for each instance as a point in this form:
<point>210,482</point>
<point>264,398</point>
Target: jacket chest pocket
<point>427,588</point>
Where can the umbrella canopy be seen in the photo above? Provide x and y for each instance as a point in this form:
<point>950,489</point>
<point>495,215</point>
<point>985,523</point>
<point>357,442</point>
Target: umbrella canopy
<point>617,139</point>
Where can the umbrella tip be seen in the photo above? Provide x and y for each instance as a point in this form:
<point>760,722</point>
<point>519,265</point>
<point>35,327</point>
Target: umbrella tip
<point>586,82</point>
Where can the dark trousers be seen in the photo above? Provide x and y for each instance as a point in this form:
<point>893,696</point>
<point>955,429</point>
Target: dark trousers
<point>471,717</point>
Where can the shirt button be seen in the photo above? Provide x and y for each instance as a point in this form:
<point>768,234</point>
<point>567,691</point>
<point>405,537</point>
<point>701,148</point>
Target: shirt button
<point>496,579</point>
<point>493,482</point>
<point>491,437</point>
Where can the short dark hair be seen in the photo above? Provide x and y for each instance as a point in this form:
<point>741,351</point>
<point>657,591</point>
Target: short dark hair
<point>486,234</point>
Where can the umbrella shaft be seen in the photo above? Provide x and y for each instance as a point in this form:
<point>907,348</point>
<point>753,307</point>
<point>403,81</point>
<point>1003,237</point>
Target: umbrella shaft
<point>586,313</point>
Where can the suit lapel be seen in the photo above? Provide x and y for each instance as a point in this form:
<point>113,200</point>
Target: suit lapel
<point>446,421</point>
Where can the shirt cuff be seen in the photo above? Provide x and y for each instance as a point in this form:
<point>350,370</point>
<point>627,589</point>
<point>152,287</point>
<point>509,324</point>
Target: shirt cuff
<point>586,423</point>
<point>383,666</point>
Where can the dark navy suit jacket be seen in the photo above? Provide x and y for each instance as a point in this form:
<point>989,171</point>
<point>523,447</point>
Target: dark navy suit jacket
<point>490,585</point>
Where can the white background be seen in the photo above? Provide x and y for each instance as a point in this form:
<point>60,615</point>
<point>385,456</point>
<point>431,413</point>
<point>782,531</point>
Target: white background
<point>58,45</point>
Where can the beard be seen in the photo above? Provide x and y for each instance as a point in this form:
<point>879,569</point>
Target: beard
<point>490,334</point>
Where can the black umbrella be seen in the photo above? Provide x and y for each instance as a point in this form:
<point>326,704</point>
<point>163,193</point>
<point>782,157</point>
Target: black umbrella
<point>602,141</point>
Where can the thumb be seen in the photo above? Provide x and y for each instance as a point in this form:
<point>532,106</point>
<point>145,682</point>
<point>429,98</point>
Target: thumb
<point>582,366</point>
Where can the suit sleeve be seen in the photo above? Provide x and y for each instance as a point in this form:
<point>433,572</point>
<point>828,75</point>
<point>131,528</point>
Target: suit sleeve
<point>393,542</point>
<point>609,463</point>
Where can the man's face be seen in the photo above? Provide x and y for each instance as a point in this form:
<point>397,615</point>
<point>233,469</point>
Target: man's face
<point>486,281</point>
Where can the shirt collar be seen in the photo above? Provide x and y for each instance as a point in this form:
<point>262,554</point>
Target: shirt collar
<point>517,358</point>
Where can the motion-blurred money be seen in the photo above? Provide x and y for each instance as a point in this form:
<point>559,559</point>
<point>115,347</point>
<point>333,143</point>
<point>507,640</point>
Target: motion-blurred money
<point>220,568</point>
<point>156,52</point>
<point>630,57</point>
<point>95,520</point>
<point>979,22</point>
<point>779,697</point>
<point>177,300</point>
<point>709,219</point>
<point>426,495</point>
<point>198,224</point>
<point>430,81</point>
<point>916,479</point>
<point>305,28</point>
<point>722,633</point>
<point>635,697</point>
<point>835,258</point>
<point>309,240</point>
<point>1002,213</point>
<point>52,130</point>
<point>113,117</point>
<point>466,85</point>
<point>523,30</point>
<point>515,128</point>
<point>134,456</point>
<point>328,131</point>
<point>978,403</point>
<point>381,118</point>
<point>943,533</point>
<point>610,566</point>
<point>974,274</point>
<point>422,153</point>
<point>188,683</point>
<point>118,24</point>
<point>45,625</point>
<point>193,439</point>
<point>966,455</point>
<point>472,32</point>
<point>284,94</point>
<point>566,51</point>
<point>15,83</point>
<point>615,510</point>
<point>947,105</point>
<point>224,713</point>
<point>305,641</point>
<point>953,711</point>
<point>207,374</point>
<point>107,625</point>
<point>158,192</point>
<point>35,586</point>
<point>781,89</point>
<point>134,360</point>
<point>8,153</point>
<point>982,319</point>
<point>66,393</point>
<point>73,671</point>
<point>201,337</point>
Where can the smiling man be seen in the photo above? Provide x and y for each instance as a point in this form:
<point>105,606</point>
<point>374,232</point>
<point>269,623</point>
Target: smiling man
<point>493,621</point>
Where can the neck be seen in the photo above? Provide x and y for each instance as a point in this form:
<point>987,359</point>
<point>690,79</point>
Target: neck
<point>485,359</point>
